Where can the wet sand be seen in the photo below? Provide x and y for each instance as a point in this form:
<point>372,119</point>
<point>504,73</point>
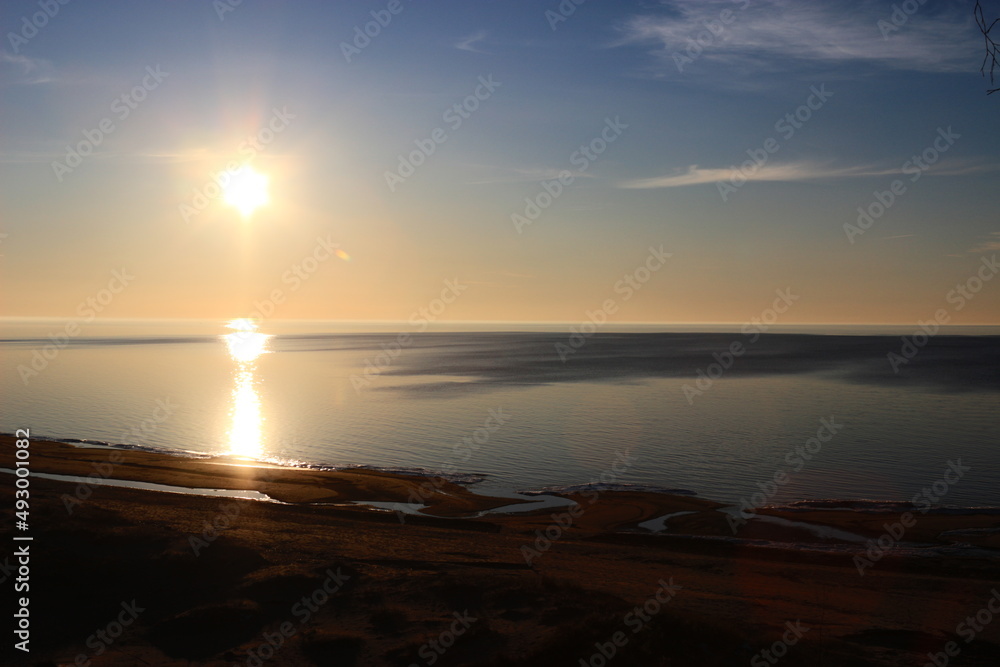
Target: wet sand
<point>313,580</point>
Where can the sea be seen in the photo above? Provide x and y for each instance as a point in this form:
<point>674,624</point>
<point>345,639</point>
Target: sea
<point>796,413</point>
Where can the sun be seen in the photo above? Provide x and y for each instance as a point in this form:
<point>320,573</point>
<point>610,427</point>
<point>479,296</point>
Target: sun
<point>246,190</point>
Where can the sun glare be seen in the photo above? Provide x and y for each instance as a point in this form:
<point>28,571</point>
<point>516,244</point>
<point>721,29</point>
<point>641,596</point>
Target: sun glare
<point>245,344</point>
<point>246,191</point>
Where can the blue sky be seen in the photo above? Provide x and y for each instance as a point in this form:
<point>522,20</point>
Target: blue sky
<point>890,89</point>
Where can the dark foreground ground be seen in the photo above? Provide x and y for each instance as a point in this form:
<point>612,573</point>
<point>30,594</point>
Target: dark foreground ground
<point>133,577</point>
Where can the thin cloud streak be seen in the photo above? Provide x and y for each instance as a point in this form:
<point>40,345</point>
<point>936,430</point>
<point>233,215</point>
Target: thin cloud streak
<point>139,157</point>
<point>788,172</point>
<point>466,43</point>
<point>990,245</point>
<point>25,70</point>
<point>800,171</point>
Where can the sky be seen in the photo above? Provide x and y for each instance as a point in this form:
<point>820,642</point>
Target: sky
<point>681,161</point>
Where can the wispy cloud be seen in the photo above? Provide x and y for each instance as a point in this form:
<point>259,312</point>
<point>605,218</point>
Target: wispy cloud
<point>791,172</point>
<point>55,150</point>
<point>22,69</point>
<point>783,33</point>
<point>991,244</point>
<point>467,43</point>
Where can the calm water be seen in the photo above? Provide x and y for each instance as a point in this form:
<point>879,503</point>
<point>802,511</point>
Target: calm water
<point>299,395</point>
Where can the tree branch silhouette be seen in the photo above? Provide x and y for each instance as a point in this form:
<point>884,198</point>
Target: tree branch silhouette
<point>992,56</point>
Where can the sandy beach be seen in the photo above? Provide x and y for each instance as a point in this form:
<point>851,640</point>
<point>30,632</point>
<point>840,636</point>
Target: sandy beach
<point>125,576</point>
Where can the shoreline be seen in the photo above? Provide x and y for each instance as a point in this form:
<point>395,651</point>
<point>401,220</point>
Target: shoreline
<point>471,479</point>
<point>412,493</point>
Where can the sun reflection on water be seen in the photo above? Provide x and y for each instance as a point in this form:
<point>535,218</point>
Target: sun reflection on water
<point>245,345</point>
